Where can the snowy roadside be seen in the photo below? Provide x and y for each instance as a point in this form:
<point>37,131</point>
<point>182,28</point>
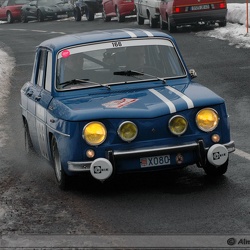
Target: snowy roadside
<point>7,63</point>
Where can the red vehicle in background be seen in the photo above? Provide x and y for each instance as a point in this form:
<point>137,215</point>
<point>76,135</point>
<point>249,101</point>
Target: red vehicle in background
<point>175,13</point>
<point>10,10</point>
<point>117,8</point>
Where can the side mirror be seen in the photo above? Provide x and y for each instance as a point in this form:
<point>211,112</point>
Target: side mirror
<point>193,73</point>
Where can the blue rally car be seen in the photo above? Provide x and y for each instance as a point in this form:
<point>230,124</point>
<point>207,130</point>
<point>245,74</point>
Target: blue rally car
<point>116,101</point>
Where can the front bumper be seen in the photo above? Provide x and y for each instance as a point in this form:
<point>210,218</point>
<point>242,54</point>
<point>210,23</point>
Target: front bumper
<point>116,155</point>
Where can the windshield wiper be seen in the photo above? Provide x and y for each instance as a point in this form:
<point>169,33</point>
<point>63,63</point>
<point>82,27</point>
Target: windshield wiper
<point>128,73</point>
<point>76,81</point>
<point>137,73</point>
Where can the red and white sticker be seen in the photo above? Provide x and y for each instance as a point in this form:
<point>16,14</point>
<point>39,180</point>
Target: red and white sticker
<point>119,103</point>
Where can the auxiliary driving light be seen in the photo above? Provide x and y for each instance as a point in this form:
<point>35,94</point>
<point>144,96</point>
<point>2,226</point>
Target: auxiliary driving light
<point>127,131</point>
<point>178,125</point>
<point>207,119</point>
<point>94,133</point>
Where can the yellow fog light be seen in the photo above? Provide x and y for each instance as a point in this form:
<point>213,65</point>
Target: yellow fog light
<point>127,131</point>
<point>178,125</point>
<point>94,133</point>
<point>207,119</point>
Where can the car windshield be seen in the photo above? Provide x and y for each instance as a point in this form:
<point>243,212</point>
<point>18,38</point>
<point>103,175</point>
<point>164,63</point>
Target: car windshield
<point>117,62</point>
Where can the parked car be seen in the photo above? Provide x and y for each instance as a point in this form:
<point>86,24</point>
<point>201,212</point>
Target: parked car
<point>10,10</point>
<point>88,8</point>
<point>116,101</point>
<point>117,8</point>
<point>148,9</point>
<point>46,9</point>
<point>175,13</point>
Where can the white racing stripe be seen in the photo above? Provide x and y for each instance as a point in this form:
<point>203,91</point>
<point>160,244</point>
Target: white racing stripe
<point>148,33</point>
<point>242,154</point>
<point>132,34</point>
<point>189,102</point>
<point>165,100</point>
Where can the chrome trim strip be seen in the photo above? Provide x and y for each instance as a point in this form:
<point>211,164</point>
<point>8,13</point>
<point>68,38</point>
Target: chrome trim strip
<point>79,166</point>
<point>58,132</point>
<point>67,135</point>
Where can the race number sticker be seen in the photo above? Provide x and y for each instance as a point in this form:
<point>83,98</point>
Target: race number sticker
<point>119,103</point>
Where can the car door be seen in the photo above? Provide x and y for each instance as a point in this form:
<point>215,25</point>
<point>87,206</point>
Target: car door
<point>3,10</point>
<point>165,8</point>
<point>31,9</point>
<point>109,6</point>
<point>38,97</point>
<point>141,8</point>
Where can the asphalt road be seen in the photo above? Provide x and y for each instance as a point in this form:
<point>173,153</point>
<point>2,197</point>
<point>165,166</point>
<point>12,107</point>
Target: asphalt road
<point>176,203</point>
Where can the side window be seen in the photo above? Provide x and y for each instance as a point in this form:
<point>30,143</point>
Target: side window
<point>41,68</point>
<point>48,77</point>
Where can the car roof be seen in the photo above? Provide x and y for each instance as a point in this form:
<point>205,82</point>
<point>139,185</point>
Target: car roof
<point>99,36</point>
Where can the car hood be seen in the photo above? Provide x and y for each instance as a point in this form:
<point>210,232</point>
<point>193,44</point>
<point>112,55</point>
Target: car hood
<point>141,103</point>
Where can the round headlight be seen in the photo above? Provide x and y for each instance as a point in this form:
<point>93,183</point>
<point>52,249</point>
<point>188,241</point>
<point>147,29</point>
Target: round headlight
<point>178,125</point>
<point>94,133</point>
<point>207,119</point>
<point>127,131</point>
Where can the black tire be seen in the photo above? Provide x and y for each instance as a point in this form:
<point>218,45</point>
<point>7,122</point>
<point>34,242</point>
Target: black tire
<point>105,17</point>
<point>27,139</point>
<point>171,28</point>
<point>62,179</point>
<point>40,16</point>
<point>163,25</point>
<point>10,18</point>
<point>119,17</point>
<point>77,14</point>
<point>152,21</point>
<point>223,23</point>
<point>24,18</point>
<point>90,15</point>
<point>140,20</point>
<point>214,171</point>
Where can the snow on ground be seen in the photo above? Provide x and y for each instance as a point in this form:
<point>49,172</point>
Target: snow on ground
<point>7,63</point>
<point>235,32</point>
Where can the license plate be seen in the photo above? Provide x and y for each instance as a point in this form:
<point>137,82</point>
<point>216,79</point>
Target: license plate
<point>155,161</point>
<point>200,7</point>
<point>62,16</point>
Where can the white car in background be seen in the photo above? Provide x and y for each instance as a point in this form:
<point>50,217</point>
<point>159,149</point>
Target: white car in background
<point>148,9</point>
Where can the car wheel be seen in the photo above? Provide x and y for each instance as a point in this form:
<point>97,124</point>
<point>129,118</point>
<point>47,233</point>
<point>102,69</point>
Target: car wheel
<point>105,17</point>
<point>27,139</point>
<point>152,21</point>
<point>119,17</point>
<point>171,27</point>
<point>62,178</point>
<point>140,20</point>
<point>77,14</point>
<point>162,24</point>
<point>24,18</point>
<point>40,16</point>
<point>10,18</point>
<point>214,171</point>
<point>90,15</point>
<point>223,23</point>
